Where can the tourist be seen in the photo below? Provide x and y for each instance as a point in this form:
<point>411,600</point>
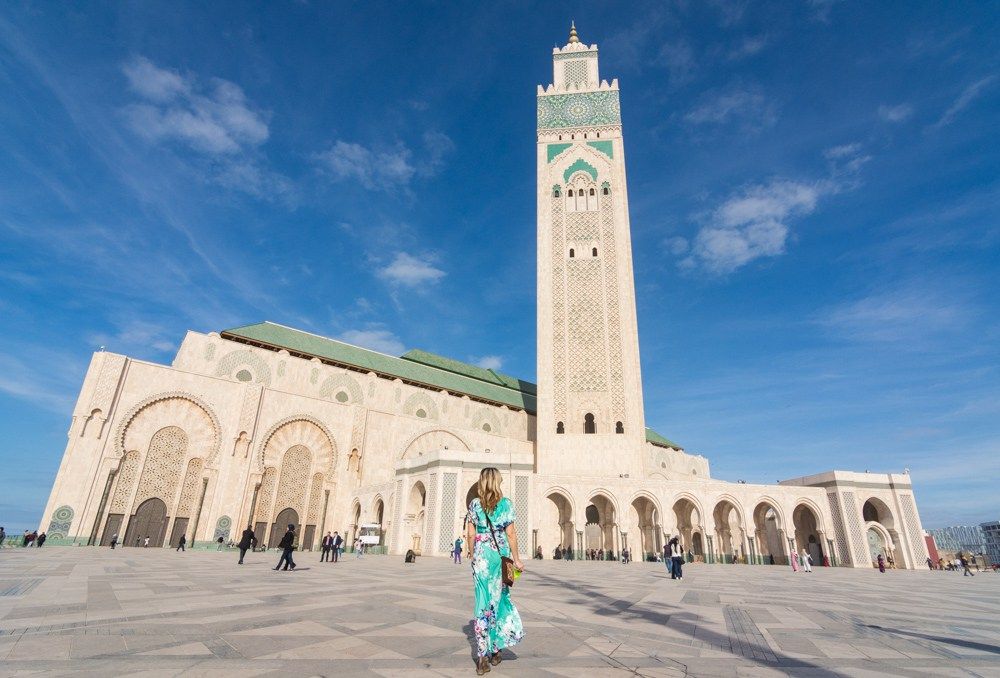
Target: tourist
<point>32,538</point>
<point>359,548</point>
<point>3,536</point>
<point>490,535</point>
<point>965,567</point>
<point>220,541</point>
<point>676,559</point>
<point>881,563</point>
<point>930,563</point>
<point>538,553</point>
<point>42,537</point>
<point>114,541</point>
<point>806,561</point>
<point>795,561</point>
<point>287,546</point>
<point>557,554</point>
<point>145,542</point>
<point>325,547</point>
<point>456,552</point>
<point>248,540</point>
<point>180,543</point>
<point>338,542</point>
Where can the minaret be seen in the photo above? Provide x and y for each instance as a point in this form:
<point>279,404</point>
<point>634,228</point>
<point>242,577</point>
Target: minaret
<point>590,417</point>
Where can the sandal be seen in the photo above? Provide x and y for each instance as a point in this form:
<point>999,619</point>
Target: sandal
<point>496,659</point>
<point>482,666</point>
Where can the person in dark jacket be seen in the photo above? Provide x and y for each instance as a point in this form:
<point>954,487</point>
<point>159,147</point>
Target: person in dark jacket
<point>338,541</point>
<point>326,545</point>
<point>41,539</point>
<point>287,546</point>
<point>181,542</point>
<point>248,540</point>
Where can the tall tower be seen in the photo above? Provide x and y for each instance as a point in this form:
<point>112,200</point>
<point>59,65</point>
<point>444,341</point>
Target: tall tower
<point>590,417</point>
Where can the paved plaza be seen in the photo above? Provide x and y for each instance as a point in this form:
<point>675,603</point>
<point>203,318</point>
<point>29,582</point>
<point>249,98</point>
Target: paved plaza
<point>156,612</point>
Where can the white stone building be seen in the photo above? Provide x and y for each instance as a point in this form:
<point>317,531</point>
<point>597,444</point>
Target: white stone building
<point>268,425</point>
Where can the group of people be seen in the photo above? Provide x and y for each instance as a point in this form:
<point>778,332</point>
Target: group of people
<point>29,539</point>
<point>958,564</point>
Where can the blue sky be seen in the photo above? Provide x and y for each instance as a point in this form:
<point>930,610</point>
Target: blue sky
<point>814,197</point>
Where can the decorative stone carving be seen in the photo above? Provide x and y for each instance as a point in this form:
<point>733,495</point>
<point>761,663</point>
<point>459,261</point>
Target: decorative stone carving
<point>315,499</point>
<point>181,409</point>
<point>265,496</point>
<point>433,439</point>
<point>107,382</point>
<point>449,490</point>
<point>560,111</point>
<point>421,402</point>
<point>128,471</point>
<point>189,491</point>
<point>298,430</point>
<point>161,468</point>
<point>62,520</point>
<point>295,465</point>
<point>233,361</point>
<point>223,526</point>
<point>335,383</point>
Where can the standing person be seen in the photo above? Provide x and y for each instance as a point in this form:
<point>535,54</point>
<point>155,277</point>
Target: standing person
<point>930,563</point>
<point>338,541</point>
<point>287,546</point>
<point>795,561</point>
<point>965,567</point>
<point>490,535</point>
<point>881,563</point>
<point>325,547</point>
<point>3,536</point>
<point>42,537</point>
<point>145,542</point>
<point>806,561</point>
<point>181,542</point>
<point>114,541</point>
<point>677,558</point>
<point>456,552</point>
<point>220,541</point>
<point>359,548</point>
<point>248,540</point>
<point>538,553</point>
<point>24,542</point>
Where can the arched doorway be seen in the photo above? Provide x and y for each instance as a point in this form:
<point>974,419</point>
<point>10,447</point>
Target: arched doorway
<point>556,528</point>
<point>288,516</point>
<point>649,541</point>
<point>688,520</point>
<point>876,513</point>
<point>355,524</point>
<point>767,529</point>
<point>149,520</point>
<point>415,516</point>
<point>599,532</point>
<point>807,537</point>
<point>379,514</point>
<point>728,530</point>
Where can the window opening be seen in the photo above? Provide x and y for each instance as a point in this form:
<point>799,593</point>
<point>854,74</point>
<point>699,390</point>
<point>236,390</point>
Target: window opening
<point>560,428</point>
<point>588,424</point>
<point>571,253</point>
<point>619,427</point>
<point>594,251</point>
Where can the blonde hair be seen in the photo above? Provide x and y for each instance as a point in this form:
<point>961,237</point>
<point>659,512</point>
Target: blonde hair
<point>489,488</point>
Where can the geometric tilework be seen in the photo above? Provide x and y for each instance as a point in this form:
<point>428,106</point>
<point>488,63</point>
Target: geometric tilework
<point>162,468</point>
<point>522,517</point>
<point>128,471</point>
<point>397,533</point>
<point>615,344</point>
<point>558,312</point>
<point>432,487</point>
<point>854,527</point>
<point>917,545</point>
<point>294,479</point>
<point>838,528</point>
<point>587,346</point>
<point>192,483</point>
<point>579,109</point>
<point>582,226</point>
<point>575,73</point>
<point>449,489</point>
<point>222,528</point>
<point>62,519</point>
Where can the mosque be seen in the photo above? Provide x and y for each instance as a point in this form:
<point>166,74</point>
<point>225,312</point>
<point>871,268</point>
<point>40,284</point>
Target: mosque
<point>267,425</point>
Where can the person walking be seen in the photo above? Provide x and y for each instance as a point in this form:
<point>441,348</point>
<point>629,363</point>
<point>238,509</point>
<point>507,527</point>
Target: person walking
<point>287,546</point>
<point>3,536</point>
<point>359,548</point>
<point>881,563</point>
<point>676,559</point>
<point>457,551</point>
<point>221,542</point>
<point>325,546</point>
<point>180,543</point>
<point>490,536</point>
<point>338,542</point>
<point>965,567</point>
<point>145,542</point>
<point>806,561</point>
<point>42,537</point>
<point>114,541</point>
<point>248,540</point>
<point>930,563</point>
<point>795,561</point>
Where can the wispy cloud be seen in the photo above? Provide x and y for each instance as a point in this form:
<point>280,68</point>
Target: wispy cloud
<point>490,362</point>
<point>214,117</point>
<point>746,106</point>
<point>749,46</point>
<point>968,95</point>
<point>137,336</point>
<point>897,113</point>
<point>821,9</point>
<point>751,225</point>
<point>679,60</point>
<point>52,387</point>
<point>410,271</point>
<point>375,338</point>
<point>846,159</point>
<point>384,168</point>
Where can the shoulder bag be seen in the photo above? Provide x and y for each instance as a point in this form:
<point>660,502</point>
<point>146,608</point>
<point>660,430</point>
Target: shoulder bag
<point>506,564</point>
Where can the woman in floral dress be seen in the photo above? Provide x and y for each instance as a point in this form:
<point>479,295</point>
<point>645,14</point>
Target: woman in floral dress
<point>497,624</point>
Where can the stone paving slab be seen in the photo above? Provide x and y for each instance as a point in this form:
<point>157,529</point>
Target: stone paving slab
<point>153,612</point>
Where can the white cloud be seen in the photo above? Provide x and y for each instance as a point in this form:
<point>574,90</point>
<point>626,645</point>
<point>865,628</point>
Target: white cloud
<point>676,245</point>
<point>136,337</point>
<point>897,113</point>
<point>746,106</point>
<point>968,95</point>
<point>213,118</point>
<point>385,168</point>
<point>410,271</point>
<point>490,362</point>
<point>846,159</point>
<point>678,58</point>
<point>911,315</point>
<point>376,339</point>
<point>750,46</point>
<point>752,225</point>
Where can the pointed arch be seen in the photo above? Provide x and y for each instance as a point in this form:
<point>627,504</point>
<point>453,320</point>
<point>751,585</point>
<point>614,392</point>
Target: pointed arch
<point>299,429</point>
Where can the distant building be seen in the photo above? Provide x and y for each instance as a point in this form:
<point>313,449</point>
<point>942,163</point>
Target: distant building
<point>991,540</point>
<point>966,538</point>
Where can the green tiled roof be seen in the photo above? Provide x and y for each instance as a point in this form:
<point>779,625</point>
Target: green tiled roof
<point>655,438</point>
<point>415,366</point>
<point>418,367</point>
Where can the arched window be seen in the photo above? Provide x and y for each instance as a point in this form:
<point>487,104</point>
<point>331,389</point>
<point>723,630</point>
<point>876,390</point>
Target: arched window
<point>572,136</point>
<point>594,251</point>
<point>619,427</point>
<point>598,135</point>
<point>606,190</point>
<point>560,428</point>
<point>571,253</point>
<point>570,193</point>
<point>592,192</point>
<point>584,135</point>
<point>560,137</point>
<point>588,424</point>
<point>555,192</point>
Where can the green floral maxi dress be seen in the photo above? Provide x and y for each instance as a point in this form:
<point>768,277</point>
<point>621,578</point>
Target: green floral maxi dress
<point>497,624</point>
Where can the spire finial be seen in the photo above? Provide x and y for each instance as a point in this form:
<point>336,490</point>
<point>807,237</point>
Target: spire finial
<point>572,33</point>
